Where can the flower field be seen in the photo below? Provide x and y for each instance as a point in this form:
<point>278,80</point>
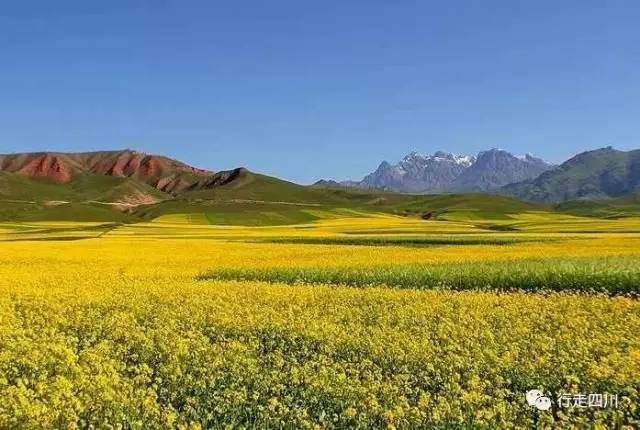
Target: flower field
<point>361,322</point>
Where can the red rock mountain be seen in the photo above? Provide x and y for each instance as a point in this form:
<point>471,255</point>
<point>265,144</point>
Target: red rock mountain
<point>52,166</point>
<point>160,172</point>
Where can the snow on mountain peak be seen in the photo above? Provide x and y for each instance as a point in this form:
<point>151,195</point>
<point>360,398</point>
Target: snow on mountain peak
<point>415,157</point>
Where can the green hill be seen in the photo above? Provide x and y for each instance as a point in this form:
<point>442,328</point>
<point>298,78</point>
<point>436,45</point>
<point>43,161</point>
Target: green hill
<point>264,200</point>
<point>85,198</point>
<point>595,174</point>
<point>255,187</point>
<point>27,211</point>
<point>620,207</point>
<point>103,187</point>
<point>17,187</point>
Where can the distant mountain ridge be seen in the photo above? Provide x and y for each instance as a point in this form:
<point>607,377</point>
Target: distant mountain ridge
<point>121,176</point>
<point>496,168</point>
<point>418,173</point>
<point>160,172</point>
<point>597,174</point>
<point>133,181</point>
<point>447,172</point>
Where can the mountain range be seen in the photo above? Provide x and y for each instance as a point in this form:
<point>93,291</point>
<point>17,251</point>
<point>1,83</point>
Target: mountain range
<point>599,174</point>
<point>131,186</point>
<point>92,185</point>
<point>159,172</point>
<point>124,177</point>
<point>447,172</point>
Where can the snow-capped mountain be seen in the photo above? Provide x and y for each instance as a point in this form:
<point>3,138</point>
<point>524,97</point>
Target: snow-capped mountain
<point>444,171</point>
<point>419,173</point>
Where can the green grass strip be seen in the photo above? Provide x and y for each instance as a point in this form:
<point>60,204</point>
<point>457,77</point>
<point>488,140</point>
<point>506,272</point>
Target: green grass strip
<point>407,241</point>
<point>611,275</point>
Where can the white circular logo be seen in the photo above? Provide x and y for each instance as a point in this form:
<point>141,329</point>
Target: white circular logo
<point>543,403</point>
<point>532,396</point>
<point>538,399</point>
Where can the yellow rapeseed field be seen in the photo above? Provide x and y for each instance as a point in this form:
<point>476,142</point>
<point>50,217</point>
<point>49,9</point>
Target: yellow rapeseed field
<point>119,330</point>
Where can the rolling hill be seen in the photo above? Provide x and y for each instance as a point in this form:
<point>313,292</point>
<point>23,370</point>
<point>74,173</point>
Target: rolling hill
<point>619,207</point>
<point>127,177</point>
<point>104,185</point>
<point>157,171</point>
<point>597,174</point>
<point>128,186</point>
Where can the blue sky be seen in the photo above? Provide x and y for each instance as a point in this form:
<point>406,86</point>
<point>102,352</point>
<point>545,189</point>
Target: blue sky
<point>310,89</point>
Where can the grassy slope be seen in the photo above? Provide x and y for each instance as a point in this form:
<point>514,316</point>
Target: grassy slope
<point>255,200</point>
<point>16,187</point>
<point>27,198</point>
<point>620,207</point>
<point>21,212</point>
<point>110,189</point>
<point>81,188</point>
<point>263,200</point>
<point>254,186</point>
<point>594,174</point>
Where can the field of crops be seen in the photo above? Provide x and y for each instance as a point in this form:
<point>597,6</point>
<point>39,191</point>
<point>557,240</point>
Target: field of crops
<point>351,322</point>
